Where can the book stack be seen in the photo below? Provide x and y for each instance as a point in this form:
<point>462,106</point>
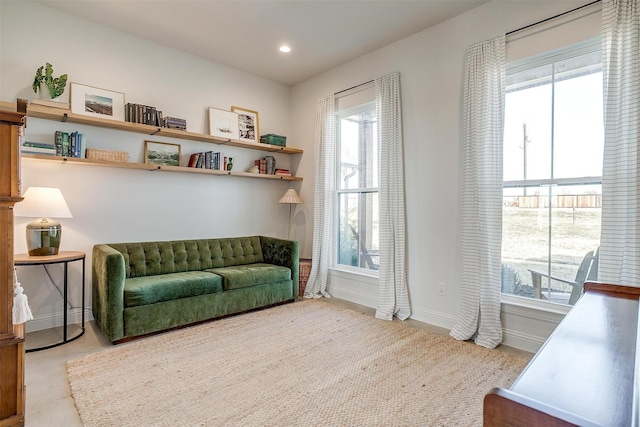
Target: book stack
<point>41,148</point>
<point>144,114</point>
<point>174,123</point>
<point>70,144</point>
<point>283,172</point>
<point>262,165</point>
<point>208,160</point>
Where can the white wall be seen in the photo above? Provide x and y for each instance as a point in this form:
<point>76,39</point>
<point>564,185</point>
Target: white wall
<point>431,72</point>
<point>116,205</point>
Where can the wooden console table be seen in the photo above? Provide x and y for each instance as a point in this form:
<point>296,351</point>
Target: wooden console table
<point>585,374</point>
<point>63,257</point>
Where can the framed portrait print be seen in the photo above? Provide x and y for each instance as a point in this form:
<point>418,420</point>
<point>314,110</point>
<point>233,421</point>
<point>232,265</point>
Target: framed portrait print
<point>223,124</point>
<point>161,153</point>
<point>248,128</point>
<point>95,102</point>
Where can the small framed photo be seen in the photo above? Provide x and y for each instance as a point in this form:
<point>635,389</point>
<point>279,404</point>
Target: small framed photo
<point>95,102</point>
<point>223,123</point>
<point>247,124</point>
<point>161,153</point>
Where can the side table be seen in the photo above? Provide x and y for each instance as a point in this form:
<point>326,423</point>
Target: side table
<point>63,257</point>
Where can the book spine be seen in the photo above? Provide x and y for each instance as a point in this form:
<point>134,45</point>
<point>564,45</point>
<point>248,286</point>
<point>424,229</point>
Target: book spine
<point>58,143</point>
<point>65,144</point>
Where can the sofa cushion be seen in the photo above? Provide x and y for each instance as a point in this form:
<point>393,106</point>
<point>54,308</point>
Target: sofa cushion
<point>153,258</point>
<point>149,290</point>
<point>243,276</point>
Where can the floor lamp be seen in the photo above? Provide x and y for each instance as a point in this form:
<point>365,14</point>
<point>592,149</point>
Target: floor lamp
<point>292,198</point>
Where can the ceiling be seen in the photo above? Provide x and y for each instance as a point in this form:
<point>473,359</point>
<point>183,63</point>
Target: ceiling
<point>246,34</point>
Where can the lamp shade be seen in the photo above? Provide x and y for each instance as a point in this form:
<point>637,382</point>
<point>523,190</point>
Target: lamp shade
<point>43,202</point>
<point>43,234</point>
<point>291,197</point>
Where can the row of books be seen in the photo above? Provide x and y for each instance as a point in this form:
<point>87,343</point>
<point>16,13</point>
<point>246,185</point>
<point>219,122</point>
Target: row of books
<point>148,115</point>
<point>65,144</point>
<point>208,160</point>
<point>145,114</point>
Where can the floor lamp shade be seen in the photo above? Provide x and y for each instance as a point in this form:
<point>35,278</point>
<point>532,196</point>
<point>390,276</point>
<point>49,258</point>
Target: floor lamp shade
<point>292,198</point>
<point>43,234</point>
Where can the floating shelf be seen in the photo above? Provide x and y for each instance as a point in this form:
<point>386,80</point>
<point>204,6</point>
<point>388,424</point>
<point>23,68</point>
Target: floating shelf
<point>150,167</point>
<point>64,115</point>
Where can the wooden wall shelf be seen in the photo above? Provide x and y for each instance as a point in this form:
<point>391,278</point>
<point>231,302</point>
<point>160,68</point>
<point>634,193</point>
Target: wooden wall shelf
<point>64,115</point>
<point>150,167</point>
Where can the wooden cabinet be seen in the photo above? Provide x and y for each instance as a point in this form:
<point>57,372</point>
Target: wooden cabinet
<point>63,115</point>
<point>12,389</point>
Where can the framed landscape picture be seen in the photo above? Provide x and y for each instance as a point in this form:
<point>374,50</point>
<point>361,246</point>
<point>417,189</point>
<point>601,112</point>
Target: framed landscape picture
<point>161,153</point>
<point>95,102</point>
<point>247,125</point>
<point>223,123</point>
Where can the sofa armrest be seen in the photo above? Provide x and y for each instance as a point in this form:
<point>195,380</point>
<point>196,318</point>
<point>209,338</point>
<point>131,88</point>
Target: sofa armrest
<point>282,252</point>
<point>107,296</point>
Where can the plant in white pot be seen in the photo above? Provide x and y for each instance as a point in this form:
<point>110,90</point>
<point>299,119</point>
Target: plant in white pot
<point>54,85</point>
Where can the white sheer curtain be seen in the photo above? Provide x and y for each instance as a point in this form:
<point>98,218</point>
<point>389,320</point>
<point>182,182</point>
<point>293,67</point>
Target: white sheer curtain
<point>620,240</point>
<point>324,158</point>
<point>480,203</point>
<point>393,294</point>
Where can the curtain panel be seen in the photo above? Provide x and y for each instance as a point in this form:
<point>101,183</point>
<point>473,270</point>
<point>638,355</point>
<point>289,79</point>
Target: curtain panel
<point>324,188</point>
<point>393,293</point>
<point>480,194</point>
<point>620,232</point>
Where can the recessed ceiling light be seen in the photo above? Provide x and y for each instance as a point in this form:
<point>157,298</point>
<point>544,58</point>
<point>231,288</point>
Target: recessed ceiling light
<point>285,49</point>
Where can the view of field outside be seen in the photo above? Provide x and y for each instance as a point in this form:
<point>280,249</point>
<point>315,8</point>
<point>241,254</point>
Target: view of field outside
<point>553,147</point>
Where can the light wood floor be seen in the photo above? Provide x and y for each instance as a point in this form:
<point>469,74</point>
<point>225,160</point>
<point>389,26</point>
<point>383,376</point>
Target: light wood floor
<point>49,402</point>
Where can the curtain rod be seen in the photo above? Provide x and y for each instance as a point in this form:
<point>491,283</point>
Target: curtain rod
<point>553,17</point>
<point>354,87</point>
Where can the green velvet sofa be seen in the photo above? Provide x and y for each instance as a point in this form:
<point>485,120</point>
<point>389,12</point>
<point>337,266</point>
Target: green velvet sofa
<point>143,288</point>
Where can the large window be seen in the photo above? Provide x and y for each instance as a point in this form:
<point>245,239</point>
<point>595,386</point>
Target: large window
<point>553,147</point>
<point>357,187</point>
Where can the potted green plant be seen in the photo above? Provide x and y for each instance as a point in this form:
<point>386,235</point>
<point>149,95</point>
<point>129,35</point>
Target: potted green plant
<point>55,85</point>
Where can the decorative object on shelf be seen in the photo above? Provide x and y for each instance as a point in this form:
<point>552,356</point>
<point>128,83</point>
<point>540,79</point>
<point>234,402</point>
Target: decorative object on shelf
<point>223,124</point>
<point>108,155</point>
<point>230,163</point>
<point>292,198</point>
<point>43,234</point>
<point>248,124</point>
<point>95,102</point>
<point>50,87</point>
<point>270,164</point>
<point>161,153</point>
<point>273,139</point>
<point>254,169</point>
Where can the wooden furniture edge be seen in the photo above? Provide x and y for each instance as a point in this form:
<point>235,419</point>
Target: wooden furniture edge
<point>631,291</point>
<point>502,407</point>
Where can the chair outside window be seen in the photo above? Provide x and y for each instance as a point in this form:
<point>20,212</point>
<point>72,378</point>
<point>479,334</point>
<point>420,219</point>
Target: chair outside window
<point>588,270</point>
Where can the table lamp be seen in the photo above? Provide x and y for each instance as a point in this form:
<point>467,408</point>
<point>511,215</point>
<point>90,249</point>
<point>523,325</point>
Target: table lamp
<point>43,234</point>
<point>292,198</point>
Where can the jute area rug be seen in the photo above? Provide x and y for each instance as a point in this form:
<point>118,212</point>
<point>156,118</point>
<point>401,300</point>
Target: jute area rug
<point>310,363</point>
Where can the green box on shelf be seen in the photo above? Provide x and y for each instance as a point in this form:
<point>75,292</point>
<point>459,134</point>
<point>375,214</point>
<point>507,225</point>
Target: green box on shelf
<point>273,139</point>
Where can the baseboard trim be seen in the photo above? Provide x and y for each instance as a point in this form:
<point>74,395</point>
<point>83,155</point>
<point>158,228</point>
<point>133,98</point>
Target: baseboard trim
<point>55,320</point>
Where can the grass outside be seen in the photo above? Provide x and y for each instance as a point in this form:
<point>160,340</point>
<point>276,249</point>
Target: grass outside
<point>525,243</point>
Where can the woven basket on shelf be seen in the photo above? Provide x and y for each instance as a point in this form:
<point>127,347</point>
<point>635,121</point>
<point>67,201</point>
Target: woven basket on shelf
<point>304,268</point>
<point>110,155</point>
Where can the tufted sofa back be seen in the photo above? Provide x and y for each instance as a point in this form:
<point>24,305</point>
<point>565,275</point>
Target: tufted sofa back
<point>152,258</point>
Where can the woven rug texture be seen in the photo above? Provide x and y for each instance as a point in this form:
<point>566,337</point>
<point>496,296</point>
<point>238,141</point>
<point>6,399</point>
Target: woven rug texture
<point>310,363</point>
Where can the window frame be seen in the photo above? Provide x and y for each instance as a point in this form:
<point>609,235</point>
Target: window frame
<point>543,59</point>
<point>340,114</point>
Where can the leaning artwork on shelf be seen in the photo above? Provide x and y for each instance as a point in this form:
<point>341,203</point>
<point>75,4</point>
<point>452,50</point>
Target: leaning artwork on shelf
<point>95,102</point>
<point>161,153</point>
<point>247,124</point>
<point>223,123</point>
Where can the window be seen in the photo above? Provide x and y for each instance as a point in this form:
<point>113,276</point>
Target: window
<point>553,148</point>
<point>357,187</point>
